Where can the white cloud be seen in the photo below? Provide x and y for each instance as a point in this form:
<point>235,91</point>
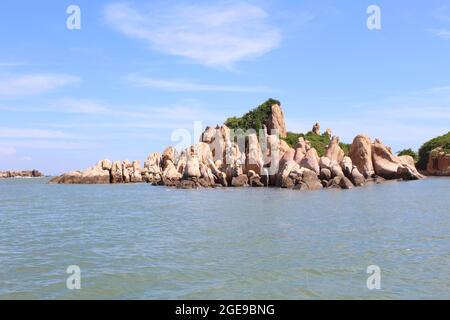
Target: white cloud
<point>24,133</point>
<point>442,16</point>
<point>79,106</point>
<point>39,144</point>
<point>12,86</point>
<point>6,151</point>
<point>63,105</point>
<point>441,33</point>
<point>208,34</point>
<point>190,86</point>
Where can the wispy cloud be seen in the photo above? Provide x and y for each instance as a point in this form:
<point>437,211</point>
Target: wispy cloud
<point>71,105</point>
<point>208,34</point>
<point>12,86</point>
<point>7,151</point>
<point>190,86</point>
<point>21,133</point>
<point>441,33</point>
<point>442,16</point>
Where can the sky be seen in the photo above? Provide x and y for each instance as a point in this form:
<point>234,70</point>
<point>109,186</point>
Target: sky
<point>138,73</point>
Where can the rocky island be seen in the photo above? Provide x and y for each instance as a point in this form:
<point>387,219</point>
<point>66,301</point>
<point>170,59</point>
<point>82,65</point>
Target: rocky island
<point>20,174</point>
<point>257,150</point>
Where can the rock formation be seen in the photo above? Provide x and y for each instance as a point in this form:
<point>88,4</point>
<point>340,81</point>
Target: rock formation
<point>361,155</point>
<point>438,163</point>
<point>316,128</point>
<point>20,174</point>
<point>223,158</point>
<point>276,121</point>
<point>389,166</point>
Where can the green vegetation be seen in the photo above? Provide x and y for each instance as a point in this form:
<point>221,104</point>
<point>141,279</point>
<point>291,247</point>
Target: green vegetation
<point>408,152</point>
<point>318,142</point>
<point>254,119</point>
<point>424,151</point>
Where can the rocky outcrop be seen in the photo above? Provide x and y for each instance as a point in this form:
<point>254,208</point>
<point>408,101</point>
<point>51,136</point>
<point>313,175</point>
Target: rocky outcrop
<point>276,121</point>
<point>316,128</point>
<point>225,158</point>
<point>389,166</point>
<point>98,174</point>
<point>438,163</point>
<point>361,155</point>
<point>20,174</point>
<point>334,151</point>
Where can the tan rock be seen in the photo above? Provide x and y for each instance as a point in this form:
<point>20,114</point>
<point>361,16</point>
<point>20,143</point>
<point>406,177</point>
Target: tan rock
<point>361,155</point>
<point>316,128</point>
<point>276,121</point>
<point>311,161</point>
<point>136,175</point>
<point>92,175</point>
<point>357,177</point>
<point>254,159</point>
<point>334,151</point>
<point>325,162</point>
<point>347,166</point>
<point>345,183</point>
<point>438,163</point>
<point>310,178</point>
<point>240,181</point>
<point>389,166</point>
<point>300,150</point>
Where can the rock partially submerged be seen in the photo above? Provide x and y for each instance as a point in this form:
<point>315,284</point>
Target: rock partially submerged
<point>223,159</point>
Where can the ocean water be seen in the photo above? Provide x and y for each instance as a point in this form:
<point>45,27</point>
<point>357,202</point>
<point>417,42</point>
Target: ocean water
<point>144,242</point>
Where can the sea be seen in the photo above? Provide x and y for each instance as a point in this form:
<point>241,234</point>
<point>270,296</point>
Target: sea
<point>137,241</point>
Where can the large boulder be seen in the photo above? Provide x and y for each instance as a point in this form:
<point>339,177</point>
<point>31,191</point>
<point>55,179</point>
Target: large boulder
<point>345,183</point>
<point>357,177</point>
<point>300,150</point>
<point>361,155</point>
<point>152,172</point>
<point>347,166</point>
<point>285,180</point>
<point>136,175</point>
<point>117,172</point>
<point>325,174</point>
<point>389,166</point>
<point>438,163</point>
<point>92,175</point>
<point>254,179</point>
<point>311,161</point>
<point>276,121</point>
<point>334,151</point>
<point>311,180</point>
<point>325,163</point>
<point>254,159</point>
<point>192,168</point>
<point>240,181</point>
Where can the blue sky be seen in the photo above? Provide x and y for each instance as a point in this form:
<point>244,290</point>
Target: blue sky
<point>138,70</point>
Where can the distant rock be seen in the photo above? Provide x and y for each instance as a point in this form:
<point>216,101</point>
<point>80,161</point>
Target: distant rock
<point>438,163</point>
<point>316,128</point>
<point>20,174</point>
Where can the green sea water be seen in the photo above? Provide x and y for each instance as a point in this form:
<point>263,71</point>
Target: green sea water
<point>144,242</point>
